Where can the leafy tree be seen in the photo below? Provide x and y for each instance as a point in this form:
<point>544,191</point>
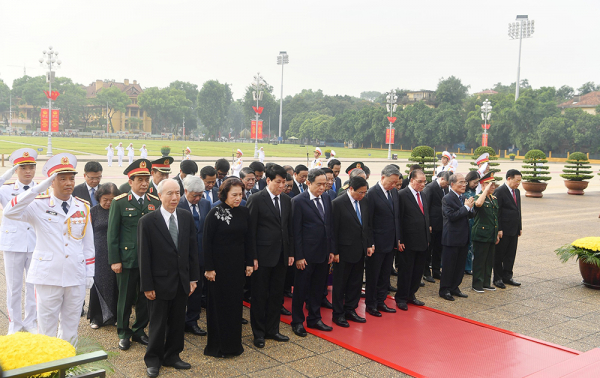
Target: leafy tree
<point>370,95</point>
<point>191,93</point>
<point>4,100</point>
<point>114,100</point>
<point>72,101</point>
<point>213,105</point>
<point>451,90</point>
<point>165,106</point>
<point>268,103</point>
<point>552,133</point>
<point>587,88</point>
<point>236,117</point>
<point>30,90</point>
<point>564,93</point>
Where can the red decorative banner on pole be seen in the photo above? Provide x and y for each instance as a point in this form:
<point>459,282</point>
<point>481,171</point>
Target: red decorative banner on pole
<point>485,126</point>
<point>253,129</point>
<point>44,120</point>
<point>55,119</point>
<point>258,110</point>
<point>484,139</point>
<point>52,95</point>
<point>392,119</point>
<point>389,140</point>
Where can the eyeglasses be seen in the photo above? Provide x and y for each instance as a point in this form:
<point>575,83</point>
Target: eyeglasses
<point>361,193</point>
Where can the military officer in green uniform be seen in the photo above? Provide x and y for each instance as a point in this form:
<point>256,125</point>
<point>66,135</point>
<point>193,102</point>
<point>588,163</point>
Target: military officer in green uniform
<point>484,234</point>
<point>125,211</point>
<point>160,170</point>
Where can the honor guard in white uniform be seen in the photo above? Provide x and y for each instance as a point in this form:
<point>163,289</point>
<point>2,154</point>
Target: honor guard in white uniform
<point>454,163</point>
<point>482,168</point>
<point>237,166</point>
<point>130,152</point>
<point>63,260</point>
<point>261,155</point>
<point>316,163</point>
<point>331,156</point>
<point>120,153</point>
<point>17,241</point>
<point>110,152</point>
<point>446,166</point>
<point>143,152</point>
<point>188,151</point>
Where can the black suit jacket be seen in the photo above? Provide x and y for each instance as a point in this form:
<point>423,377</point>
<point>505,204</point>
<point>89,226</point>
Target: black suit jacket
<point>163,265</point>
<point>180,182</point>
<point>385,222</point>
<point>414,225</point>
<point>338,184</point>
<point>252,191</point>
<point>81,191</point>
<point>204,206</point>
<point>272,233</point>
<point>351,238</point>
<point>261,184</point>
<point>313,237</point>
<point>295,190</point>
<point>456,221</point>
<point>433,195</point>
<point>509,213</point>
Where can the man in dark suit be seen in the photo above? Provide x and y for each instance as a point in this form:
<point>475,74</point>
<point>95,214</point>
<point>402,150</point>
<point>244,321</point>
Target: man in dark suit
<point>455,237</point>
<point>509,229</point>
<point>209,176</point>
<point>336,166</point>
<point>169,272</point>
<point>92,173</point>
<point>193,202</point>
<point>433,194</point>
<point>300,174</point>
<point>314,249</point>
<point>384,214</point>
<point>259,171</point>
<point>273,250</point>
<point>186,167</point>
<point>354,240</point>
<point>221,168</point>
<point>414,239</point>
<point>248,178</point>
<point>330,183</point>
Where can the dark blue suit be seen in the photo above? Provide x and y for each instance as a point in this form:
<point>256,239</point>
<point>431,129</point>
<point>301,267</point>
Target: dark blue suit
<point>313,241</point>
<point>455,242</point>
<point>194,301</point>
<point>214,194</point>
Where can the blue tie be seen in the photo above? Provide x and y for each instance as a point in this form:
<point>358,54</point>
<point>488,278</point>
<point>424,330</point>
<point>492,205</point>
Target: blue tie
<point>208,196</point>
<point>196,217</point>
<point>301,188</point>
<point>333,187</point>
<point>357,212</point>
<point>93,197</point>
<point>320,207</point>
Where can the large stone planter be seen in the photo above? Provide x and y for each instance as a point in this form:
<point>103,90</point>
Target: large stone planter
<point>534,189</point>
<point>576,187</point>
<point>590,274</point>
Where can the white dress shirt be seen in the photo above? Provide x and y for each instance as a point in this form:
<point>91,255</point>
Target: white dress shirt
<point>167,216</point>
<point>273,199</point>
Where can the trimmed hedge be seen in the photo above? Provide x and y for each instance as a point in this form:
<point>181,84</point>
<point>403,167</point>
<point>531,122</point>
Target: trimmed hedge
<point>425,157</point>
<point>535,170</point>
<point>579,171</point>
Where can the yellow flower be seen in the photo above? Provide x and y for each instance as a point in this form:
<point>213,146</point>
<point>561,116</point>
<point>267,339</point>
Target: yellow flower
<point>591,243</point>
<point>23,349</point>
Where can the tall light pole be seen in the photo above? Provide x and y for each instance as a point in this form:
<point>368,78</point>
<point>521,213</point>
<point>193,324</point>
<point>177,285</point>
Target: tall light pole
<point>257,94</point>
<point>486,114</point>
<point>282,59</point>
<point>522,28</point>
<point>48,59</point>
<point>391,105</point>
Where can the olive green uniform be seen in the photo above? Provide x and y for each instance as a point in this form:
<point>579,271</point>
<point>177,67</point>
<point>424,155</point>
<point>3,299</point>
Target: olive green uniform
<point>125,212</point>
<point>484,235</point>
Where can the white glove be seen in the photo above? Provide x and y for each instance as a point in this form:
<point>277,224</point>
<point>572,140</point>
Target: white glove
<point>44,185</point>
<point>8,174</point>
<point>89,281</point>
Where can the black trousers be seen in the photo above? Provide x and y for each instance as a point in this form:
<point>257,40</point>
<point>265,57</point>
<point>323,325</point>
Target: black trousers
<point>347,285</point>
<point>267,295</point>
<point>453,259</point>
<point>308,287</point>
<point>504,258</point>
<point>194,304</point>
<point>378,269</point>
<point>165,336</point>
<point>409,274</point>
<point>434,255</point>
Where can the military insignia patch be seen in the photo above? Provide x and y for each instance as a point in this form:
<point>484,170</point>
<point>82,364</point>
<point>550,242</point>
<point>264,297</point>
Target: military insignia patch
<point>51,212</point>
<point>151,207</point>
<point>143,164</point>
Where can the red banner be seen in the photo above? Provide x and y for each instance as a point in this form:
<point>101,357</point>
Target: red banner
<point>52,95</point>
<point>485,126</point>
<point>484,139</point>
<point>55,119</point>
<point>258,110</point>
<point>389,140</point>
<point>44,120</point>
<point>392,119</point>
<point>253,130</point>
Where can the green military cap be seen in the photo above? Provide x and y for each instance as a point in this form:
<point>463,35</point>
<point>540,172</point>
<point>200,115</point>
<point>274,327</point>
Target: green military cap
<point>356,164</point>
<point>163,164</point>
<point>140,167</point>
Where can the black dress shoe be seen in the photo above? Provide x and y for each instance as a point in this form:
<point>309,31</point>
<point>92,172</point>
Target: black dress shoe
<point>320,326</point>
<point>259,342</point>
<point>447,296</point>
<point>469,272</point>
<point>394,272</point>
<point>429,279</point>
<point>416,302</point>
<point>402,306</point>
<point>421,284</point>
<point>325,303</point>
<point>287,293</point>
<point>384,308</point>
<point>373,312</point>
<point>278,337</point>
<point>392,288</point>
<point>511,282</point>
<point>195,330</point>
<point>499,284</point>
<point>353,316</point>
<point>340,321</point>
<point>459,294</point>
<point>152,371</point>
<point>244,321</point>
<point>180,365</point>
<point>124,344</point>
<point>436,275</point>
<point>141,339</point>
<point>285,311</point>
<point>299,330</point>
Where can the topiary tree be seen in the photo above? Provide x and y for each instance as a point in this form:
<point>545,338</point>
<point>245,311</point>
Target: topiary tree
<point>165,150</point>
<point>535,170</point>
<point>481,150</point>
<point>579,171</point>
<point>425,157</point>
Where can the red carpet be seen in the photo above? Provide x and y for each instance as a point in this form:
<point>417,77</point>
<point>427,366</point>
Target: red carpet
<point>424,342</point>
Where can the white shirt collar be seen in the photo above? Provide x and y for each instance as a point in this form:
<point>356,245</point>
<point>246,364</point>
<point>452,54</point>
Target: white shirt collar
<point>382,188</point>
<point>458,195</point>
<point>312,196</point>
<point>59,201</point>
<point>90,188</point>
<point>167,216</point>
<point>137,198</point>
<point>271,194</point>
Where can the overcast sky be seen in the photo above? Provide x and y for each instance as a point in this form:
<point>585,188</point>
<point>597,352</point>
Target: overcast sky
<point>341,47</point>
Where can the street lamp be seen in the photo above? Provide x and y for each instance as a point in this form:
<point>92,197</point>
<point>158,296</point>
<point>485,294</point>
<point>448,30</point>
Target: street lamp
<point>257,95</point>
<point>522,28</point>
<point>391,105</point>
<point>486,114</point>
<point>282,59</point>
<point>49,60</point>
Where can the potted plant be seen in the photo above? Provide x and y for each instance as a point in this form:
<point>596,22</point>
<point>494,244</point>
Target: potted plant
<point>165,150</point>
<point>327,153</point>
<point>425,157</point>
<point>512,157</point>
<point>587,252</point>
<point>535,173</point>
<point>576,174</point>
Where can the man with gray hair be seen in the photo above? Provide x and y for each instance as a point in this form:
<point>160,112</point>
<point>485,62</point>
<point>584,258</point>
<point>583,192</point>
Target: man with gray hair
<point>193,202</point>
<point>356,172</point>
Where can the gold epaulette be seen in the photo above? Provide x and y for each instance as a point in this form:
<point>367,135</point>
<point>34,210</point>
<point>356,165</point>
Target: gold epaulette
<point>120,196</point>
<point>82,200</point>
<point>153,196</point>
<point>346,186</point>
<point>9,182</point>
<point>42,196</point>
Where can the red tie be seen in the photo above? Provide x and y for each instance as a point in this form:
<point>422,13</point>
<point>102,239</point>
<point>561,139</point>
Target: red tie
<point>515,197</point>
<point>420,203</point>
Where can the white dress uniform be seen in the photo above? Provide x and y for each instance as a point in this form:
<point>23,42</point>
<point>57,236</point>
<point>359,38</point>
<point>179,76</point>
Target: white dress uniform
<point>17,241</point>
<point>238,165</point>
<point>64,256</point>
<point>261,155</point>
<point>316,163</point>
<point>120,153</point>
<point>454,164</point>
<point>130,153</point>
<point>110,152</point>
<point>143,152</point>
<point>188,152</point>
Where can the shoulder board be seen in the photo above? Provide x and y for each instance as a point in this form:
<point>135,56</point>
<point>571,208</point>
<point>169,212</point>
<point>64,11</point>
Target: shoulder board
<point>346,186</point>
<point>120,196</point>
<point>493,196</point>
<point>153,196</point>
<point>82,200</point>
<point>9,182</point>
<point>41,196</point>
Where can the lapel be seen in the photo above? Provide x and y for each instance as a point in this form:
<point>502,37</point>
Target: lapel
<point>313,205</point>
<point>383,196</point>
<point>133,201</point>
<point>267,198</point>
<point>351,209</point>
<point>413,199</point>
<point>162,227</point>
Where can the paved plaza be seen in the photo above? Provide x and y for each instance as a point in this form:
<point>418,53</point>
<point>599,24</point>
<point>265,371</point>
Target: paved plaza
<point>551,305</point>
